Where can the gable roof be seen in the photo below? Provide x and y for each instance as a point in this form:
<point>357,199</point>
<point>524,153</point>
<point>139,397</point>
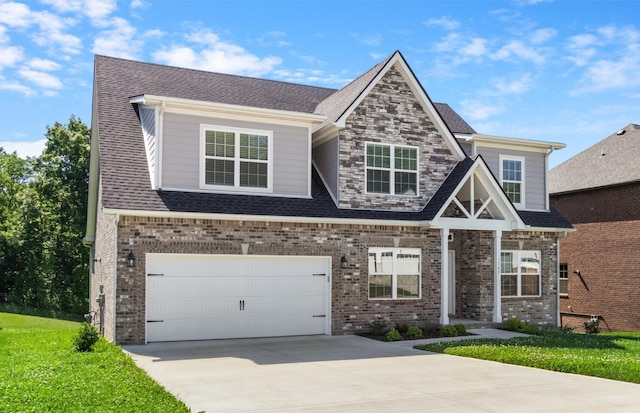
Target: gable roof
<point>124,174</point>
<point>612,161</point>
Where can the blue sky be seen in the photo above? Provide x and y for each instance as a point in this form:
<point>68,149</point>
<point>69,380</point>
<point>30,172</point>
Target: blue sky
<point>562,71</point>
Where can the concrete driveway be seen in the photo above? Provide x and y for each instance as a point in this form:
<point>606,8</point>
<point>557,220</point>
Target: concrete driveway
<point>355,374</point>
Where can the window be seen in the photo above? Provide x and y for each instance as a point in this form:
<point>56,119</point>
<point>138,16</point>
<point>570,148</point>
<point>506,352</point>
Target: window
<point>235,159</point>
<point>392,169</point>
<point>512,176</point>
<point>394,273</point>
<point>564,279</point>
<point>520,271</point>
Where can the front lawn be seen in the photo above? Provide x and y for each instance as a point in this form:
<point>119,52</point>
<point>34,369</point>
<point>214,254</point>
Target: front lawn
<point>40,372</point>
<point>612,355</point>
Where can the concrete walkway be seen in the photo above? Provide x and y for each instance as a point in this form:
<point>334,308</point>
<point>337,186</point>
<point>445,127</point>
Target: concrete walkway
<point>356,374</point>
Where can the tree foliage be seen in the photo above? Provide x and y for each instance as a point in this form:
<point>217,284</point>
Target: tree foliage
<point>43,203</point>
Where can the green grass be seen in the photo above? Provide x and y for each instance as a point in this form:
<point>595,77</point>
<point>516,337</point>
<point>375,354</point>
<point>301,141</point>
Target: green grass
<point>40,372</point>
<point>612,355</point>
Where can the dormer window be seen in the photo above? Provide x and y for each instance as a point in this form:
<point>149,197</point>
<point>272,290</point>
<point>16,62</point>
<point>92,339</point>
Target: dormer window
<point>512,178</point>
<point>235,159</point>
<point>392,169</point>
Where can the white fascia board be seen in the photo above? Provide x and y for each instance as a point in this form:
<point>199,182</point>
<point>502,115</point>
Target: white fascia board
<point>224,108</point>
<point>263,218</point>
<point>325,133</point>
<point>502,142</point>
<point>472,224</point>
<point>544,229</point>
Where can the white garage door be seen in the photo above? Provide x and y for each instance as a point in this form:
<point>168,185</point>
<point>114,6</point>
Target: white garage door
<point>201,297</point>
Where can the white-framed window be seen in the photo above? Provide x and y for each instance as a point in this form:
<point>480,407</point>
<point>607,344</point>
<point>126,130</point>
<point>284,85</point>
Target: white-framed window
<point>512,178</point>
<point>236,159</point>
<point>564,279</point>
<point>394,273</point>
<point>391,169</point>
<point>520,273</point>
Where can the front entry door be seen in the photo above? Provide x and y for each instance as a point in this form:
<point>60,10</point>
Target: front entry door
<point>452,282</point>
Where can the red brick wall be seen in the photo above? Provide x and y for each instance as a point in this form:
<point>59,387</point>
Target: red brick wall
<point>606,250</point>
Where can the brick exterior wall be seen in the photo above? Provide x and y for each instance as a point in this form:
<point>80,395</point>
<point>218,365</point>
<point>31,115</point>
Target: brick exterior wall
<point>605,248</point>
<point>103,270</point>
<point>475,274</point>
<point>352,311</point>
<point>391,114</point>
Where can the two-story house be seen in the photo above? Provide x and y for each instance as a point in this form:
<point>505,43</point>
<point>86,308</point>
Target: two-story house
<point>598,191</point>
<point>224,206</point>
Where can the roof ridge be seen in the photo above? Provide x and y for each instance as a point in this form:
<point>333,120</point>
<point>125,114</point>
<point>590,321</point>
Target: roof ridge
<point>140,62</point>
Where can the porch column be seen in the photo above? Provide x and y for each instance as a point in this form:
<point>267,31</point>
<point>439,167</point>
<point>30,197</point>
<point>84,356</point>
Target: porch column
<point>444,276</point>
<point>497,279</point>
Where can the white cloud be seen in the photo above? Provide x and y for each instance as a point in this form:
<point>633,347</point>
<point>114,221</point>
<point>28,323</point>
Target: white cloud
<point>139,4</point>
<point>15,87</point>
<point>10,55</point>
<point>43,64</point>
<point>24,149</point>
<point>476,110</point>
<point>611,58</point>
<point>516,49</point>
<point>96,10</point>
<point>15,14</point>
<point>153,33</point>
<point>210,53</point>
<point>477,48</point>
<point>41,79</point>
<point>118,41</point>
<point>52,27</point>
<point>543,35</point>
<point>513,86</point>
<point>444,22</point>
<point>307,76</point>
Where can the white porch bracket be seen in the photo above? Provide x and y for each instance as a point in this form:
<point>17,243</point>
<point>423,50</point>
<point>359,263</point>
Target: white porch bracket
<point>444,276</point>
<point>497,279</point>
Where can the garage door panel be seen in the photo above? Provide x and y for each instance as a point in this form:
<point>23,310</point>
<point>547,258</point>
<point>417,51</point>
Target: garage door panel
<point>197,297</point>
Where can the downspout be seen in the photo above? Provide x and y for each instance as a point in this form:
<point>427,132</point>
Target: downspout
<point>160,131</point>
<point>546,177</point>
<point>115,277</point>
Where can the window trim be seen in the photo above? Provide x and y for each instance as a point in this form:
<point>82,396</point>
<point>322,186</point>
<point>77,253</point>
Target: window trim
<point>518,274</point>
<point>394,274</point>
<point>563,267</point>
<point>392,169</point>
<point>204,128</point>
<point>520,159</point>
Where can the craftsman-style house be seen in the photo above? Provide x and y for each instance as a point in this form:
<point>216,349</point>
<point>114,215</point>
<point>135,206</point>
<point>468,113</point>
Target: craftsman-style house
<point>225,206</point>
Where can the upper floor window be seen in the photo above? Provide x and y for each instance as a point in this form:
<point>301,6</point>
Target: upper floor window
<point>512,178</point>
<point>394,273</point>
<point>392,169</point>
<point>235,159</point>
<point>520,273</point>
<point>564,279</point>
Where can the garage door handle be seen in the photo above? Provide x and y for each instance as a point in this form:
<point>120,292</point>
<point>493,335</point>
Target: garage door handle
<point>155,321</point>
<point>319,315</point>
<point>241,305</point>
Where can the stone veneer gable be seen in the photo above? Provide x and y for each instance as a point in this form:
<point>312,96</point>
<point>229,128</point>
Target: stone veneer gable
<point>391,114</point>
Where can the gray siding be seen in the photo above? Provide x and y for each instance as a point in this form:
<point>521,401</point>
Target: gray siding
<point>466,147</point>
<point>181,153</point>
<point>148,122</point>
<point>534,173</point>
<point>325,157</point>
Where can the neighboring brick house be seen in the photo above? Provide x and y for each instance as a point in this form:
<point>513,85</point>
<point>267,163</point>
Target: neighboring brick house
<point>224,206</point>
<point>598,191</point>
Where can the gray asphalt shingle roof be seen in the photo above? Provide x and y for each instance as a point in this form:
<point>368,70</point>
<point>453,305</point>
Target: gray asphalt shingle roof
<point>123,165</point>
<point>612,161</point>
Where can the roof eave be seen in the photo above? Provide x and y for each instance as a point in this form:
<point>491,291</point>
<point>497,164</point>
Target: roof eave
<point>516,141</point>
<point>190,104</point>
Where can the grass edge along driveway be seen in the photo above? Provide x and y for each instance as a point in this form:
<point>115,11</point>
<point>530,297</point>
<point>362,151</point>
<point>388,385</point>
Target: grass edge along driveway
<point>41,372</point>
<point>613,356</point>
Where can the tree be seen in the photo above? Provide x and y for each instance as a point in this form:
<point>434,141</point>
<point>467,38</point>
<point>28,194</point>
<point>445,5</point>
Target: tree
<point>43,204</point>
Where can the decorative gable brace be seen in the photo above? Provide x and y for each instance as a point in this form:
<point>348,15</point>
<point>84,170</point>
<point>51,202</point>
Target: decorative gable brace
<point>478,203</point>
